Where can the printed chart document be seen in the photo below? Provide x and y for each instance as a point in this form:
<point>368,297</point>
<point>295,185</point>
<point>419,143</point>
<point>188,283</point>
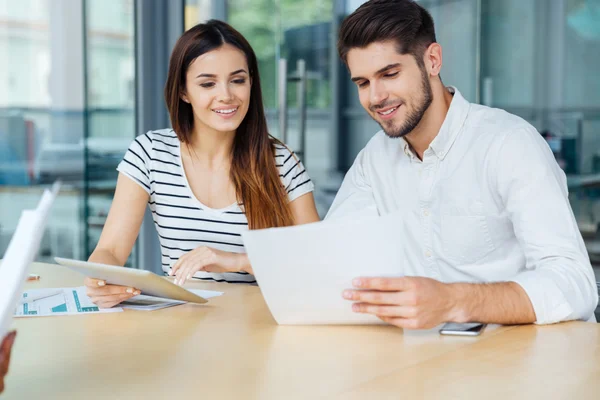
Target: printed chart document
<point>74,301</point>
<point>20,253</point>
<point>303,270</point>
<point>61,301</point>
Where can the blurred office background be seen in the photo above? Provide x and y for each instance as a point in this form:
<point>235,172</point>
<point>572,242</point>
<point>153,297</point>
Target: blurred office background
<point>79,79</point>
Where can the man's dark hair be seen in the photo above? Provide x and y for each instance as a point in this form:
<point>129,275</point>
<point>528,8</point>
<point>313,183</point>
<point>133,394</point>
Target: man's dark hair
<point>402,21</point>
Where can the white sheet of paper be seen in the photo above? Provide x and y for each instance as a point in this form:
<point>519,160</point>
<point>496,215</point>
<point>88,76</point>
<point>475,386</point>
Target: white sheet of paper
<point>303,270</point>
<point>20,253</point>
<point>151,303</point>
<point>58,301</point>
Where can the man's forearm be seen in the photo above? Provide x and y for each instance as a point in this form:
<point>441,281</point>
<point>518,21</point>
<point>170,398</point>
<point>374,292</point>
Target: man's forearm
<point>496,303</point>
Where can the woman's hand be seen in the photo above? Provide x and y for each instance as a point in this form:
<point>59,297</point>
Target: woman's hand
<point>209,260</point>
<point>107,296</point>
<point>5,349</point>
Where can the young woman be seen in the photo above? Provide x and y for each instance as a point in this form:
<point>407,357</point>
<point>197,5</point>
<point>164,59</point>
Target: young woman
<point>216,173</point>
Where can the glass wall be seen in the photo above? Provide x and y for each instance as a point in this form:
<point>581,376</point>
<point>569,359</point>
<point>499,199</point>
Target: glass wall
<point>66,112</point>
<point>110,86</point>
<point>539,60</point>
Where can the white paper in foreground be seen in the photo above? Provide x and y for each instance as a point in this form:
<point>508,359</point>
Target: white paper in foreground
<point>20,253</point>
<point>303,270</point>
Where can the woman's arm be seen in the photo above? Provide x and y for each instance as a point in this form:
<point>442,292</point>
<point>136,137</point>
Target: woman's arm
<point>116,241</point>
<point>122,224</point>
<point>304,209</point>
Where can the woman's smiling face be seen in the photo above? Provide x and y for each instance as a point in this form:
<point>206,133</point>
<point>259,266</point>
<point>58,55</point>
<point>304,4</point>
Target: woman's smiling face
<point>218,88</point>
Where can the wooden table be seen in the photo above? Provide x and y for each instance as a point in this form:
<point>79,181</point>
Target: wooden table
<point>232,349</point>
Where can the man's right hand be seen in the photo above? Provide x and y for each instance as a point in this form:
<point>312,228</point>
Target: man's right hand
<point>5,349</point>
<point>107,296</point>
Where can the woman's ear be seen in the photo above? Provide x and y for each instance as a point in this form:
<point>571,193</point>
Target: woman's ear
<point>184,98</point>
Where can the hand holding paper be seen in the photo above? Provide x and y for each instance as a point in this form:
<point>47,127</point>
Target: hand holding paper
<point>407,302</point>
<point>303,270</point>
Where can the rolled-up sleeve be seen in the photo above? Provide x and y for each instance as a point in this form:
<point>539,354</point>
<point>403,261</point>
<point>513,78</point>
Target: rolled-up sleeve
<point>558,277</point>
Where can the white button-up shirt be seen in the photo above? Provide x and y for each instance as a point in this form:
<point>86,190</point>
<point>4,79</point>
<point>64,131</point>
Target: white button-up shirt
<point>488,203</point>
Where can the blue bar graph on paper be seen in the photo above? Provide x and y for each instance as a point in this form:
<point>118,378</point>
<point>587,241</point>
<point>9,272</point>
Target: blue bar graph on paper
<point>60,308</point>
<point>78,304</point>
<point>26,310</point>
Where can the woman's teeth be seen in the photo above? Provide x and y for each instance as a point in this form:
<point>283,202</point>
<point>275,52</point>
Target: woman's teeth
<point>226,111</point>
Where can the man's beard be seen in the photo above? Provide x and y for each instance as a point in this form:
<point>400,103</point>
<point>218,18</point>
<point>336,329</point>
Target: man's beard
<point>413,117</point>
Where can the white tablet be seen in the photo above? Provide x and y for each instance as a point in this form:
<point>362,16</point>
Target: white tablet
<point>149,283</point>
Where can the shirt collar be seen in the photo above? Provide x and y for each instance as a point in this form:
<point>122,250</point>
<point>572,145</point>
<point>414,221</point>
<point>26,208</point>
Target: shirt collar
<point>454,121</point>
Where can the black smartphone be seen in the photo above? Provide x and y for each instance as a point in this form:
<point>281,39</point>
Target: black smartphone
<point>467,329</point>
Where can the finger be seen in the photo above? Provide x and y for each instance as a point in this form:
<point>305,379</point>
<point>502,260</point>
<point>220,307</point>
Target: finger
<point>7,343</point>
<point>109,302</point>
<point>380,297</point>
<point>384,311</point>
<point>189,269</point>
<point>11,341</point>
<point>92,282</point>
<point>193,266</point>
<point>109,290</point>
<point>178,274</point>
<point>5,351</point>
<point>184,273</point>
<point>135,292</point>
<point>177,265</point>
<point>11,338</point>
<point>113,299</point>
<point>3,365</point>
<point>383,284</point>
<point>186,258</point>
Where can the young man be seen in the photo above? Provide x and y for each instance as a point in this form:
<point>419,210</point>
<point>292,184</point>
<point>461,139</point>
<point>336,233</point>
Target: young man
<point>492,235</point>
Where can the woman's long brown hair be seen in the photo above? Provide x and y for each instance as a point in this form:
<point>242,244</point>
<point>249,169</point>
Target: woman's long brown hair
<point>253,169</point>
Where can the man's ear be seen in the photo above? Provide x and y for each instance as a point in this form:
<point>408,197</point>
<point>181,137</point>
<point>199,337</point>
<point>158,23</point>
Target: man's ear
<point>433,59</point>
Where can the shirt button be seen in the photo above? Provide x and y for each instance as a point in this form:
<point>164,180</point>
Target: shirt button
<point>426,212</point>
<point>428,254</point>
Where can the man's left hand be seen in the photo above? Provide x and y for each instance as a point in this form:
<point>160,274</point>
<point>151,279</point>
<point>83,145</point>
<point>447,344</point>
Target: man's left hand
<point>406,302</point>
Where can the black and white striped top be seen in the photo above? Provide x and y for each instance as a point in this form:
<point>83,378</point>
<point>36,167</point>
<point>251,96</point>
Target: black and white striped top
<point>183,223</point>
